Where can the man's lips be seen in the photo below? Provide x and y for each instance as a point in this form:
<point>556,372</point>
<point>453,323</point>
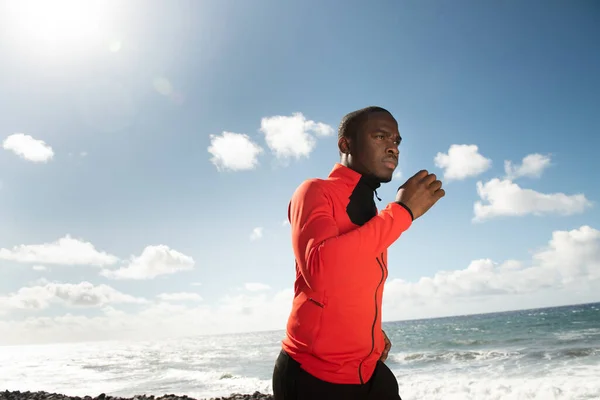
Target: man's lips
<point>390,163</point>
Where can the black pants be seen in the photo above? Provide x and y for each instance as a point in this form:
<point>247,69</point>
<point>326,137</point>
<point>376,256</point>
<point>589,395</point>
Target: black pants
<point>290,382</point>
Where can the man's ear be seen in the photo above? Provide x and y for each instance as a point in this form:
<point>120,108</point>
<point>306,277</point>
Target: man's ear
<point>344,145</point>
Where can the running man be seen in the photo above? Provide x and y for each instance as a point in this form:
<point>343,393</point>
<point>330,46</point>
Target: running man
<point>334,346</point>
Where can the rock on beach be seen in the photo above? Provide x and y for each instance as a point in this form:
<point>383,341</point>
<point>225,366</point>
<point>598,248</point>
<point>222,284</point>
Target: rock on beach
<point>17,395</point>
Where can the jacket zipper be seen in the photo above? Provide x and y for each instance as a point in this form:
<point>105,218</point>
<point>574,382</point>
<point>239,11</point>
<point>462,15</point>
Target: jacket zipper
<point>374,319</point>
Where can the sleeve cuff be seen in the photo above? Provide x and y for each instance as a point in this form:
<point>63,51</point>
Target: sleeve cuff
<point>412,217</point>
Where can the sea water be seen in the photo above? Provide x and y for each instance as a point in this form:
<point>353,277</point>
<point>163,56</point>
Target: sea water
<point>551,353</point>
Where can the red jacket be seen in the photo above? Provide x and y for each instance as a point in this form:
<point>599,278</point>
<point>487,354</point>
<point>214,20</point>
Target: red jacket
<point>340,243</point>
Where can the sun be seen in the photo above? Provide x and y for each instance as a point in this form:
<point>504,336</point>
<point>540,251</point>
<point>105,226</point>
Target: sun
<point>55,27</point>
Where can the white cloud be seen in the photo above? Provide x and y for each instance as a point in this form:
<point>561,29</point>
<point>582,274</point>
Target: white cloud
<point>28,148</point>
<point>234,152</point>
<point>154,261</point>
<point>397,175</point>
<point>532,166</point>
<point>39,268</point>
<point>565,271</point>
<point>180,296</point>
<point>292,136</point>
<point>83,294</point>
<point>506,198</point>
<point>462,161</point>
<point>569,265</point>
<point>256,286</point>
<point>572,255</point>
<point>81,154</point>
<point>285,222</point>
<point>257,233</point>
<point>238,313</point>
<point>64,251</point>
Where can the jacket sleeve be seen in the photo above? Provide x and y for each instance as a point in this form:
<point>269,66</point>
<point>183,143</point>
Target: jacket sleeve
<point>317,242</point>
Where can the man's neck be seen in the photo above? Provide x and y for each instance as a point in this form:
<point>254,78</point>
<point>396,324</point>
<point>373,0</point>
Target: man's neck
<point>368,179</point>
<point>371,181</point>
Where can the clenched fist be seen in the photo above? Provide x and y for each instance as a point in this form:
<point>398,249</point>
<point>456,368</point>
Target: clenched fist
<point>386,349</point>
<point>420,192</point>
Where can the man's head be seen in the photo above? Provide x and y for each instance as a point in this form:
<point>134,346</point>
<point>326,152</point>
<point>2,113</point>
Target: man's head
<point>368,141</point>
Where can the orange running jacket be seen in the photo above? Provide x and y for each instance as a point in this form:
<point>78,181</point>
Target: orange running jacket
<point>340,243</point>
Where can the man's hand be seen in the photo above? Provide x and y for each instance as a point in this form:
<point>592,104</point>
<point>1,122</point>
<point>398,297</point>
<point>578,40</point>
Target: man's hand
<point>420,192</point>
<point>386,350</point>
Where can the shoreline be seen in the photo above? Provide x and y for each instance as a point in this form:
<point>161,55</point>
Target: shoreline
<point>195,336</point>
<point>43,395</point>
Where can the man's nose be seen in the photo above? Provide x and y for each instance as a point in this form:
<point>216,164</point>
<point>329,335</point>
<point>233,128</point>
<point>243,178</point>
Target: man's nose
<point>393,150</point>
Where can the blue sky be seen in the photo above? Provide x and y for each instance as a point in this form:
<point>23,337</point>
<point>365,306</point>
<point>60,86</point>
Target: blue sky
<point>130,99</point>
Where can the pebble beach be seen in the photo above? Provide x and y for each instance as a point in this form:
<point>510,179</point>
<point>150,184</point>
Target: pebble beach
<point>41,395</point>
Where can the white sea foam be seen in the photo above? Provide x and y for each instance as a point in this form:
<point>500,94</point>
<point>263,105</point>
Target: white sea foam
<point>204,369</point>
<point>566,386</point>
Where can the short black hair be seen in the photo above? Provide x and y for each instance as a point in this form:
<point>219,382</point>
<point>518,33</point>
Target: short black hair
<point>352,122</point>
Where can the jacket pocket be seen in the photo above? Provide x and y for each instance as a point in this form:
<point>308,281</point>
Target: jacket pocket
<point>306,317</point>
<point>317,302</point>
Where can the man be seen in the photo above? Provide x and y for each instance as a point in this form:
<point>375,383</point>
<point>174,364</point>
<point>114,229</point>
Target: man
<point>334,347</point>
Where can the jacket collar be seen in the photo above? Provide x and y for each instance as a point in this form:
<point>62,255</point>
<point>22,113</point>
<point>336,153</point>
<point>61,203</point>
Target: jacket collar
<point>353,178</point>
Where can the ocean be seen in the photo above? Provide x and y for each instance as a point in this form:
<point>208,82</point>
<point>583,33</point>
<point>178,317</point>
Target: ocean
<point>550,353</point>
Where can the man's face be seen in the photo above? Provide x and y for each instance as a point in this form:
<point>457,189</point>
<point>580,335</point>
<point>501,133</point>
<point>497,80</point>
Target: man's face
<point>375,151</point>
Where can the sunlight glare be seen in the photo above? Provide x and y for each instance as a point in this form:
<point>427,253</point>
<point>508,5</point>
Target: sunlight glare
<point>115,46</point>
<point>51,27</point>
